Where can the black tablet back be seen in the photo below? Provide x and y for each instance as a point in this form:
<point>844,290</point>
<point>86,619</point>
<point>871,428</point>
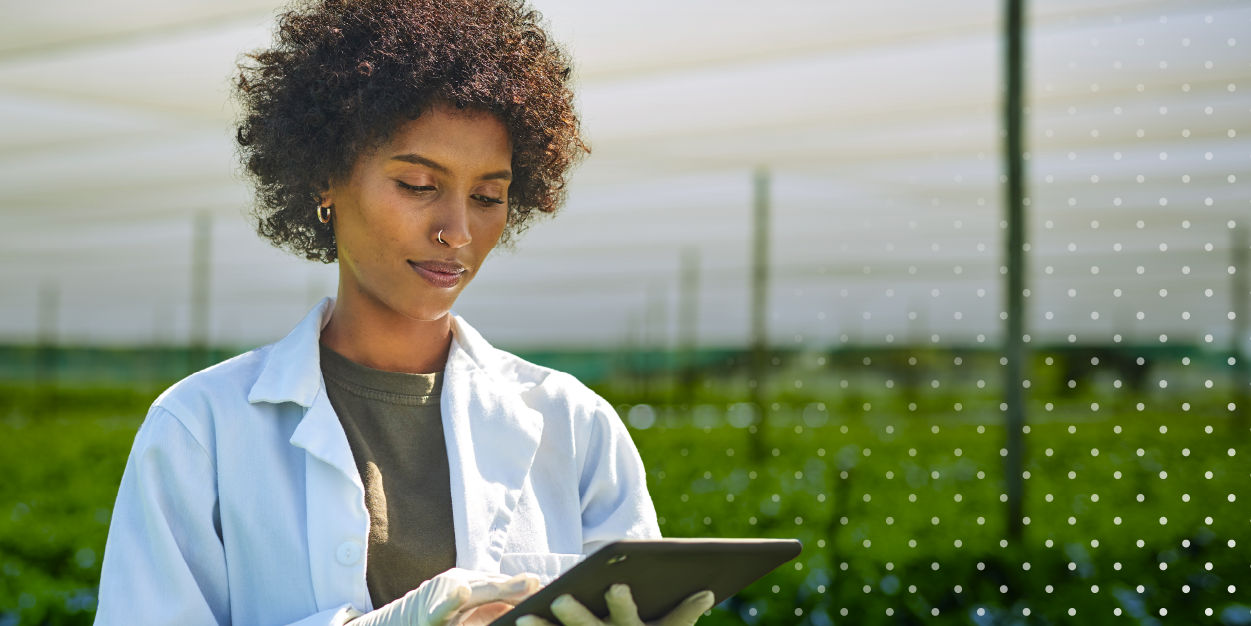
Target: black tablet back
<point>661,574</point>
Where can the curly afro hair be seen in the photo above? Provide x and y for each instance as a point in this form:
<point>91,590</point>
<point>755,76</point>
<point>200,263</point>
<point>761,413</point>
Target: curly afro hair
<point>344,74</point>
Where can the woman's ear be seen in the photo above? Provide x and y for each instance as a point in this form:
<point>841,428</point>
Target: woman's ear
<point>325,195</point>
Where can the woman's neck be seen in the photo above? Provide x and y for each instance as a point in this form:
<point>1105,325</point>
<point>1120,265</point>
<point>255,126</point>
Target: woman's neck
<point>381,338</point>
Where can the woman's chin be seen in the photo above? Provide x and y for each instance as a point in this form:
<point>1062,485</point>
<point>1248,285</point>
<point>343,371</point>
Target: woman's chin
<point>431,308</point>
<point>428,314</point>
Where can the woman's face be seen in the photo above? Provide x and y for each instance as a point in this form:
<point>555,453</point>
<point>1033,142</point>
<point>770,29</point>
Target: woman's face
<point>443,175</point>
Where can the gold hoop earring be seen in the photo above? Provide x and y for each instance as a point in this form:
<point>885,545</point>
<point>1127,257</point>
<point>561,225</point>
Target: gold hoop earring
<point>323,214</point>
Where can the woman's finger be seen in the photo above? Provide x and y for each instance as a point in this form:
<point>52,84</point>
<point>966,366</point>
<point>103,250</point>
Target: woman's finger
<point>621,606</point>
<point>511,590</point>
<point>570,612</point>
<point>533,620</point>
<point>687,613</point>
<point>448,603</point>
<point>483,614</point>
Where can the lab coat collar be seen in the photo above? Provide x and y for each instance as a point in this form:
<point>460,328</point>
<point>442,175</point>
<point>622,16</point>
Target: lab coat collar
<point>292,369</point>
<point>492,438</point>
<point>492,435</point>
<point>292,373</point>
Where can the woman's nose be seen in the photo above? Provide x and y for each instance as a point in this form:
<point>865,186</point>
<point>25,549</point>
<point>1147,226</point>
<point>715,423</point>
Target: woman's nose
<point>452,227</point>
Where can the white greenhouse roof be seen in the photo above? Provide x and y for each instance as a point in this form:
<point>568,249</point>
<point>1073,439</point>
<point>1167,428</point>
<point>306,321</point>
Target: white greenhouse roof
<point>879,124</point>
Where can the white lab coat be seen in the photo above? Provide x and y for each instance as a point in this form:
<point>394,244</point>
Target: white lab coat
<point>241,503</point>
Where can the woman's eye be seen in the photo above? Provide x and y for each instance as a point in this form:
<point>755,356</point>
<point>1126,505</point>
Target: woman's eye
<point>415,188</point>
<point>487,200</point>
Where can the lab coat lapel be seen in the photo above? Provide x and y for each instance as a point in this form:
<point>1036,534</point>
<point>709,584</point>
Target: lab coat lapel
<point>335,534</point>
<point>292,373</point>
<point>321,435</point>
<point>492,437</point>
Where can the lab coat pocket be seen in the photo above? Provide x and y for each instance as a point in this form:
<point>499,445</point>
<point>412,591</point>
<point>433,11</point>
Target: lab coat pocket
<point>546,565</point>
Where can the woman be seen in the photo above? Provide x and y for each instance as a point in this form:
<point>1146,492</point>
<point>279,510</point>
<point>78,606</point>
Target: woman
<point>383,464</point>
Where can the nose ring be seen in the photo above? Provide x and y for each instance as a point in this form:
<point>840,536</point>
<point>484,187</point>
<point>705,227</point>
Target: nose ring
<point>440,237</point>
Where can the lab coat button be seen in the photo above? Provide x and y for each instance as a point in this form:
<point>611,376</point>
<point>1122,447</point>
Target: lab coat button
<point>348,553</point>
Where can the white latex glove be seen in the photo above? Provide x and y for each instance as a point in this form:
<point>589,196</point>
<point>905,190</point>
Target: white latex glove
<point>622,611</point>
<point>451,598</point>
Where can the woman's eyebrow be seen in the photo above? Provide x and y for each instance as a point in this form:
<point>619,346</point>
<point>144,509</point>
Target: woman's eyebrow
<point>417,159</point>
<point>421,160</point>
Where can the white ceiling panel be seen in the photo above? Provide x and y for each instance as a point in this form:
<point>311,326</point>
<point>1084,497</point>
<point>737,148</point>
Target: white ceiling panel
<point>878,122</point>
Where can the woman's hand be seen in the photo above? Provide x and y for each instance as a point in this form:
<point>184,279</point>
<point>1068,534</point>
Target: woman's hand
<point>458,596</point>
<point>622,611</point>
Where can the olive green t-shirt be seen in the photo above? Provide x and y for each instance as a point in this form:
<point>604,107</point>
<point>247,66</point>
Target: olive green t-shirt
<point>394,427</point>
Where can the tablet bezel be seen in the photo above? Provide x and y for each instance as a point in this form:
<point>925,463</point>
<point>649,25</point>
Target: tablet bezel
<point>661,574</point>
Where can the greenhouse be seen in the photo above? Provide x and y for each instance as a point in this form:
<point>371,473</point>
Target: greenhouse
<point>784,262</point>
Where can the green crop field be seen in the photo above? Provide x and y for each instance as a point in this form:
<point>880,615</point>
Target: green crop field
<point>61,455</point>
<point>1137,512</point>
<point>903,518</point>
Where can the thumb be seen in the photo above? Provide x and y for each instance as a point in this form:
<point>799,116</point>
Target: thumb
<point>687,613</point>
<point>445,604</point>
<point>511,590</point>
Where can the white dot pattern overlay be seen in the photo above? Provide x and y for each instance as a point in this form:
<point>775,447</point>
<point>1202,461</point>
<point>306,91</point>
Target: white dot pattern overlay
<point>884,449</point>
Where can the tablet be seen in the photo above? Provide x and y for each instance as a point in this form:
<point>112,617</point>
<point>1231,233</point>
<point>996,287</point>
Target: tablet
<point>661,574</point>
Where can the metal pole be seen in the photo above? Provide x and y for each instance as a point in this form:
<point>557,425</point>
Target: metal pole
<point>1240,291</point>
<point>201,246</point>
<point>655,338</point>
<point>49,309</point>
<point>634,350</point>
<point>759,302</point>
<point>688,319</point>
<point>1014,345</point>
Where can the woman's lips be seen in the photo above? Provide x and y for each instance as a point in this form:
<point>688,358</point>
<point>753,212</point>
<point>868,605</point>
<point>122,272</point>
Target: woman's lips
<point>441,274</point>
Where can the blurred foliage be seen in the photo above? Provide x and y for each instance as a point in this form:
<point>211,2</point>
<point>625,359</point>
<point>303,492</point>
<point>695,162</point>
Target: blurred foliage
<point>887,464</point>
<point>62,452</point>
<point>902,517</point>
